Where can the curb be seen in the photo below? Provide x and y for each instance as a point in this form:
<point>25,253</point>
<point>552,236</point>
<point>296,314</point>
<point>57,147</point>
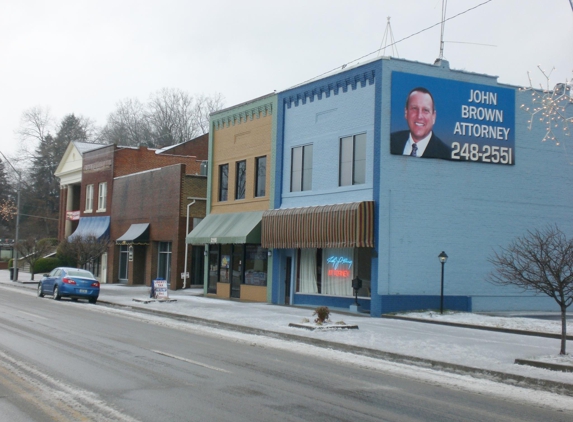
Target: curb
<point>480,327</point>
<point>545,365</point>
<point>502,377</point>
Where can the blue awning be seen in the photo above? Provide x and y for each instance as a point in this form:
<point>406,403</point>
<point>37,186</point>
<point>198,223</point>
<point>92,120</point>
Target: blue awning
<point>92,226</point>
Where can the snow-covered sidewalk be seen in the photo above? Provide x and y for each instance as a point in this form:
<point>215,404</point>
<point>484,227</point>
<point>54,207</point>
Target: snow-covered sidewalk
<point>488,352</point>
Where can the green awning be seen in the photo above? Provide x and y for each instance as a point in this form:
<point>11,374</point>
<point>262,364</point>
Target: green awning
<point>240,227</point>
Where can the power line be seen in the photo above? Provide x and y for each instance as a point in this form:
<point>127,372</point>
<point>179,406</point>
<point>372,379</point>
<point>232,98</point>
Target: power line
<point>396,42</point>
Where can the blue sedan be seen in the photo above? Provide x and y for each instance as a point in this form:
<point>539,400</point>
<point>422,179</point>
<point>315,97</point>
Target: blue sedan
<point>69,282</point>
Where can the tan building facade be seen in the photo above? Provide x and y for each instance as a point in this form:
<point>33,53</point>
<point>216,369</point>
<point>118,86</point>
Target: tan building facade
<point>239,191</point>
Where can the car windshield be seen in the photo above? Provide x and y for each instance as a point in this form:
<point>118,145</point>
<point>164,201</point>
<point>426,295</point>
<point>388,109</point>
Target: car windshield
<point>80,273</point>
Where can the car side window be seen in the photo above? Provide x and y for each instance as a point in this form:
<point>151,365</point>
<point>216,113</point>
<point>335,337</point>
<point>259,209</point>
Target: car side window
<point>53,272</point>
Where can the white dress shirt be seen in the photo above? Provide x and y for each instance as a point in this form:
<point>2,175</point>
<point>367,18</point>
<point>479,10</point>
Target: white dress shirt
<point>421,145</point>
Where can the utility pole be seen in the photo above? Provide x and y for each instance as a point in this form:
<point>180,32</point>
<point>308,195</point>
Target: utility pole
<point>15,250</point>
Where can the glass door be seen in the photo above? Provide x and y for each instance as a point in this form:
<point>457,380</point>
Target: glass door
<point>123,263</point>
<point>164,263</point>
<point>237,279</point>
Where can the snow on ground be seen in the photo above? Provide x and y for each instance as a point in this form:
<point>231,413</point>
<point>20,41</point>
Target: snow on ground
<point>427,375</point>
<point>513,323</point>
<point>488,350</point>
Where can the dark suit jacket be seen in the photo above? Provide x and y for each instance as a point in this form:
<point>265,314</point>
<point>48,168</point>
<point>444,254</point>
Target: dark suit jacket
<point>435,149</point>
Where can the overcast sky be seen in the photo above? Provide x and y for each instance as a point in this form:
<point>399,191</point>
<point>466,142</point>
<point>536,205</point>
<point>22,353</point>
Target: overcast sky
<point>83,56</point>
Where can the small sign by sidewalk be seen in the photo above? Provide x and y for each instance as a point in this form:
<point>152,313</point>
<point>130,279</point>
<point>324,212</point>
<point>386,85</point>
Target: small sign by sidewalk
<point>159,289</point>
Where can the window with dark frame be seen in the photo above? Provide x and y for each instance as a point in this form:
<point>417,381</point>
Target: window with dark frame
<point>240,179</point>
<point>223,182</point>
<point>301,169</point>
<point>261,176</point>
<point>352,169</point>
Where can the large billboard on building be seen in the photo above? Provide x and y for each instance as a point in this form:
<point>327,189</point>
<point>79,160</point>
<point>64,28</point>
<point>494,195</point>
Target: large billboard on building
<point>452,120</point>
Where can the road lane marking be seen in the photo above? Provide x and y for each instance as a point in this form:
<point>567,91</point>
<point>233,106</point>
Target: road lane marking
<point>33,315</point>
<point>159,352</point>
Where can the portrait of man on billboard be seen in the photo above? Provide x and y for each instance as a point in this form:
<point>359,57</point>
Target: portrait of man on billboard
<point>419,140</point>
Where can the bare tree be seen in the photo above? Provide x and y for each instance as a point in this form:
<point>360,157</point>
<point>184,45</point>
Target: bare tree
<point>128,125</point>
<point>170,116</point>
<point>83,249</point>
<point>170,113</point>
<point>541,261</point>
<point>204,106</point>
<point>36,123</point>
<point>32,250</point>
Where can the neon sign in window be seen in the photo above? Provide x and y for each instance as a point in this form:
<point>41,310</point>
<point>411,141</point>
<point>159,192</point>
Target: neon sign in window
<point>339,266</point>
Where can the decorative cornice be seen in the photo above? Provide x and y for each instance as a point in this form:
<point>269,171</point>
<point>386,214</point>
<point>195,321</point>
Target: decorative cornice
<point>243,116</point>
<point>330,88</point>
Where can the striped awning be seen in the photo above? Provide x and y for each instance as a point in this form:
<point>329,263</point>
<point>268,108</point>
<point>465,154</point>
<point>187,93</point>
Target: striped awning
<point>91,226</point>
<point>328,226</point>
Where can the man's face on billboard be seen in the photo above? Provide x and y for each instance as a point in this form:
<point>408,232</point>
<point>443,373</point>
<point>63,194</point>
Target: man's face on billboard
<point>420,115</point>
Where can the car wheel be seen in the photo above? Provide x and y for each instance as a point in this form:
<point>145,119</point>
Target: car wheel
<point>93,301</point>
<point>57,293</point>
<point>40,292</point>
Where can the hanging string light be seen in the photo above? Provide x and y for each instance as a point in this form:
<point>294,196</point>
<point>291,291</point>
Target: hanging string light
<point>7,210</point>
<point>552,107</point>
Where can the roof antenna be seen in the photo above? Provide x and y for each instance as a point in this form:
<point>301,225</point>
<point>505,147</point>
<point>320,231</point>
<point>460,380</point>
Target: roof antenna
<point>389,36</point>
<point>440,60</point>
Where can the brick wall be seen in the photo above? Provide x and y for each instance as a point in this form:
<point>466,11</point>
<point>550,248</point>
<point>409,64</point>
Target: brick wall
<point>198,147</point>
<point>133,160</point>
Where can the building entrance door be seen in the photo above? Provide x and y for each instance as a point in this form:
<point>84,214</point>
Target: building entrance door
<point>288,266</point>
<point>237,271</point>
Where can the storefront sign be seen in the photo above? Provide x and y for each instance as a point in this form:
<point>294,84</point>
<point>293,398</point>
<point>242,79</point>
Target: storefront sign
<point>160,289</point>
<point>73,215</point>
<point>339,266</point>
<point>452,120</point>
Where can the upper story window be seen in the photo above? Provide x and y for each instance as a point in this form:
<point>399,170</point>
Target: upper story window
<point>89,198</point>
<point>261,176</point>
<point>240,179</point>
<point>223,182</point>
<point>352,160</point>
<point>301,169</point>
<point>102,196</point>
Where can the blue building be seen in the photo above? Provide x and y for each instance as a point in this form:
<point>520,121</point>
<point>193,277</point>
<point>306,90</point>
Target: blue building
<point>380,167</point>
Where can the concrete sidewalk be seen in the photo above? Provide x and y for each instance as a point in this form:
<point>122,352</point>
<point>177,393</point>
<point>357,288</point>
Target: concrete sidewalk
<point>484,354</point>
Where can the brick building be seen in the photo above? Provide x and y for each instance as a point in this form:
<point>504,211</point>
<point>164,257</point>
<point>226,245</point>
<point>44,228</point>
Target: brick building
<point>148,223</point>
<point>102,166</point>
<point>239,191</point>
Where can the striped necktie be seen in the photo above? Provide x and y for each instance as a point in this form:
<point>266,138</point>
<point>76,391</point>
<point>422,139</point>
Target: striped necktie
<point>414,150</point>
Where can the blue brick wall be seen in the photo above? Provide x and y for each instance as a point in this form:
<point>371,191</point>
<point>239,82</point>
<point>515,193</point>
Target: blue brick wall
<point>423,206</point>
<point>466,209</point>
<point>320,114</point>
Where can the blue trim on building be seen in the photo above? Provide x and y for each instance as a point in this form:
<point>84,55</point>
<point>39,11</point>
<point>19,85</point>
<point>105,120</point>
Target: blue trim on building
<point>330,85</point>
<point>401,303</point>
<point>376,307</point>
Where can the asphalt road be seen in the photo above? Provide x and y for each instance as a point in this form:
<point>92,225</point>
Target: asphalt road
<point>66,361</point>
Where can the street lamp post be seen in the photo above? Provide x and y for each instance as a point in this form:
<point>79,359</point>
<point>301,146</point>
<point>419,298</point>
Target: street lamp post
<point>443,258</point>
<point>15,262</point>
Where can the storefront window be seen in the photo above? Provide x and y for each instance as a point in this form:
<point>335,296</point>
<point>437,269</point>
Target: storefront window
<point>164,263</point>
<point>330,271</point>
<point>224,275</point>
<point>123,260</point>
<point>213,268</point>
<point>338,271</point>
<point>256,265</point>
